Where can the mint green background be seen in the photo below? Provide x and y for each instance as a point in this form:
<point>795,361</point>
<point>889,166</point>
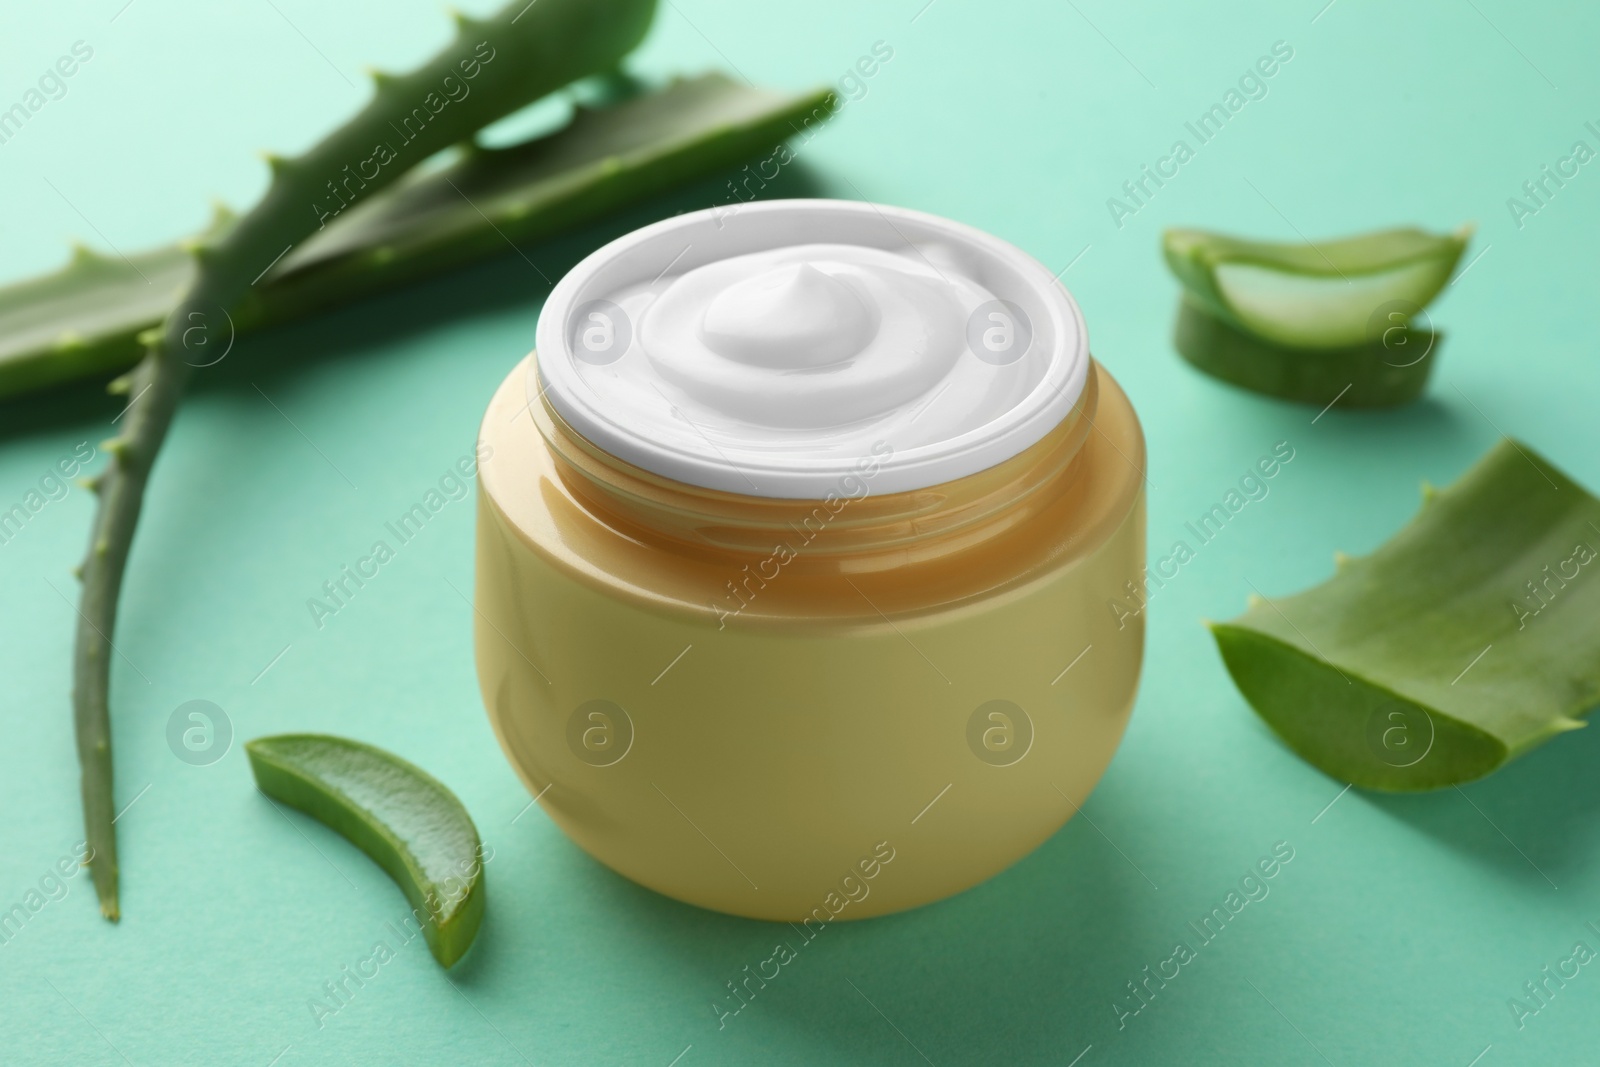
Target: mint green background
<point>1395,936</point>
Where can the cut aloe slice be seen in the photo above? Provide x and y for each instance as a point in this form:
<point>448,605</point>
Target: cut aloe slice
<point>1470,637</point>
<point>1394,370</point>
<point>395,812</point>
<point>1328,294</point>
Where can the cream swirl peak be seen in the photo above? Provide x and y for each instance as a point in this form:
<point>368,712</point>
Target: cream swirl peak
<point>767,352</point>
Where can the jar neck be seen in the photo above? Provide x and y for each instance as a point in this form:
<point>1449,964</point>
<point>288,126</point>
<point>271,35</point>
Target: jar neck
<point>852,530</point>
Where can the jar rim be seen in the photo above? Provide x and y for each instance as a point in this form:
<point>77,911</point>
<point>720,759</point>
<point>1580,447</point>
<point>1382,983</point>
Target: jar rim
<point>1059,363</point>
<point>863,520</point>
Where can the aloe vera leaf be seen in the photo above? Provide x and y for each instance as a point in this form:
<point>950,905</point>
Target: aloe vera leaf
<point>84,320</point>
<point>604,160</point>
<point>1392,370</point>
<point>1467,639</point>
<point>522,53</point>
<point>404,818</point>
<point>1318,295</point>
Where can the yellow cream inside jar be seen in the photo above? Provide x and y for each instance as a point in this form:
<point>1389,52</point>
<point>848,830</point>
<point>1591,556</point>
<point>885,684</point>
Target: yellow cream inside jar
<point>795,549</point>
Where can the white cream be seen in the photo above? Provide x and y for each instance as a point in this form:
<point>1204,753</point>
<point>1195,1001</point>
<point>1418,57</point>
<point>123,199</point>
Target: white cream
<point>770,350</point>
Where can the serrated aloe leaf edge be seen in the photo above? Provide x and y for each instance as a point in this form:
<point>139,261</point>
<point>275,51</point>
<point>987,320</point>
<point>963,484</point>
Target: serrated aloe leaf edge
<point>1464,641</point>
<point>84,320</point>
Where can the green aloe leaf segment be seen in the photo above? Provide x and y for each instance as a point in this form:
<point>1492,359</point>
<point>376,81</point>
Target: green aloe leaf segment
<point>404,818</point>
<point>85,320</point>
<point>1393,370</point>
<point>509,60</point>
<point>1318,295</point>
<point>1467,639</point>
<point>1310,322</point>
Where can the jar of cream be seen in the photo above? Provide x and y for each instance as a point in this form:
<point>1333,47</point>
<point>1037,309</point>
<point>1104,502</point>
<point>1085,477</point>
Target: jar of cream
<point>801,544</point>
